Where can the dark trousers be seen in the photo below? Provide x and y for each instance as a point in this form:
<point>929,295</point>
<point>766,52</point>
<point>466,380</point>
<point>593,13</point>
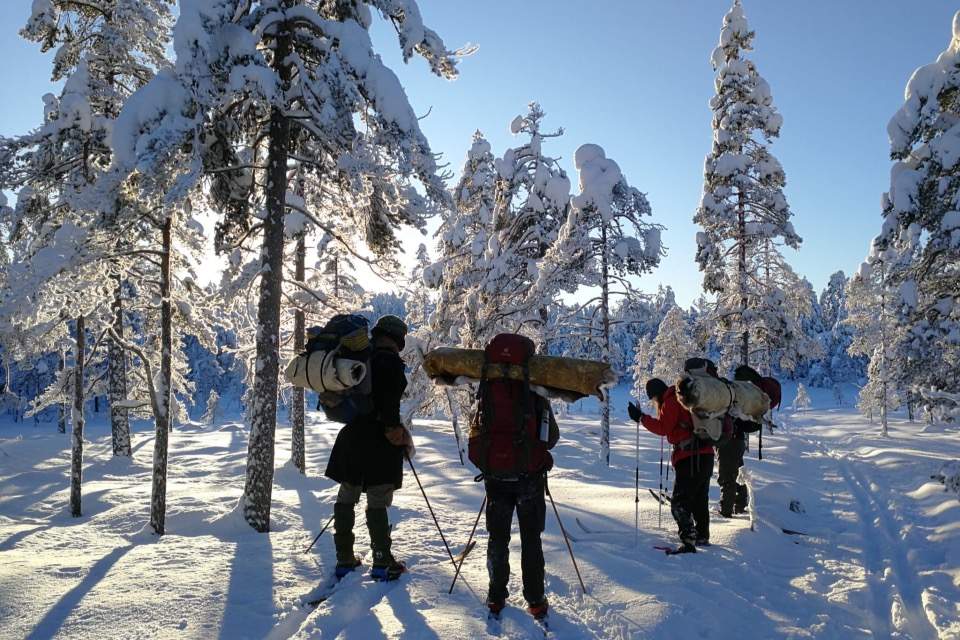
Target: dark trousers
<point>733,495</point>
<point>528,497</point>
<point>690,505</point>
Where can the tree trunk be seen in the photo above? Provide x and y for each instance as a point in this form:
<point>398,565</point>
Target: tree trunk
<point>76,453</point>
<point>742,279</point>
<point>117,373</point>
<point>162,390</point>
<point>62,411</point>
<point>605,314</point>
<point>297,448</point>
<point>258,489</point>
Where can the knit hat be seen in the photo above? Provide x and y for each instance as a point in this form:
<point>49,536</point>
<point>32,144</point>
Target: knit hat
<point>392,327</point>
<point>655,388</point>
<point>692,364</point>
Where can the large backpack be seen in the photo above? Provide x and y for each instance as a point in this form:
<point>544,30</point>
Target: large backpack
<point>505,440</point>
<point>338,354</point>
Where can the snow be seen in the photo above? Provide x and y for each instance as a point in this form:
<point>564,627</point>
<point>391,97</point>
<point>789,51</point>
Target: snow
<point>881,558</point>
<point>598,177</point>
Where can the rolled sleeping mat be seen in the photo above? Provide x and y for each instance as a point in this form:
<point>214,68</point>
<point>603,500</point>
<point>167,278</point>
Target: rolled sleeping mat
<point>322,371</point>
<point>569,379</point>
<point>711,397</point>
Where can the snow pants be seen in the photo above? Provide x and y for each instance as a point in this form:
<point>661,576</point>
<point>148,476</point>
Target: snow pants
<point>527,496</point>
<point>733,495</point>
<point>690,504</point>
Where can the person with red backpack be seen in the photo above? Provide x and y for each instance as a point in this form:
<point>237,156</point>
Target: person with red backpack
<point>510,438</point>
<point>692,459</point>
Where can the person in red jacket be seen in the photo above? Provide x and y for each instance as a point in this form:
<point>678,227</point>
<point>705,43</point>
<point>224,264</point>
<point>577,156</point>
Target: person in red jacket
<point>692,458</point>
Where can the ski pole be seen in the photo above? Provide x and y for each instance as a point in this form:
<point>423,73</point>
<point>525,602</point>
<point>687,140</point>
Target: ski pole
<point>432,514</point>
<point>636,497</point>
<point>564,532</point>
<point>456,574</point>
<point>660,509</point>
<point>307,550</point>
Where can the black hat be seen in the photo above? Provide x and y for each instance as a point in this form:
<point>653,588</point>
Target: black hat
<point>392,327</point>
<point>655,388</point>
<point>692,364</point>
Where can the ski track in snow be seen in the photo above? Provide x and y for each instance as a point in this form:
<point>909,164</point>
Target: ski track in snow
<point>881,557</point>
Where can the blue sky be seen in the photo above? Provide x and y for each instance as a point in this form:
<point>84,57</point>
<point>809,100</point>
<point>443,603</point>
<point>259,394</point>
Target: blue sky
<point>634,77</point>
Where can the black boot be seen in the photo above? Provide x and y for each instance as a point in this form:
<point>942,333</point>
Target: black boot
<point>343,520</point>
<point>385,566</point>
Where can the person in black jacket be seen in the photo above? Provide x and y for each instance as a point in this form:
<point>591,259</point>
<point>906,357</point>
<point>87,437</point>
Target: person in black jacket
<point>734,496</point>
<point>368,454</point>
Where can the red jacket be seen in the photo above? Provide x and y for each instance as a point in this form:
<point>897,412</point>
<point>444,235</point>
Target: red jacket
<point>675,423</point>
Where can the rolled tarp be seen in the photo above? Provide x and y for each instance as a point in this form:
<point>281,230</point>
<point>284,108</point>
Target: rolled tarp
<point>566,378</point>
<point>322,371</point>
<point>710,397</point>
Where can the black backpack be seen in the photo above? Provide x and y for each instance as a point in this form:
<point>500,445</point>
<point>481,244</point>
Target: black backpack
<point>346,336</point>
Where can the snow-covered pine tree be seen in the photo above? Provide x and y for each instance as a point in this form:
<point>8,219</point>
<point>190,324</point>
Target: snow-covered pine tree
<point>802,401</point>
<point>672,346</point>
<point>838,394</point>
<point>642,366</point>
<point>531,196</point>
<point>922,222</point>
<point>104,50</point>
<point>743,213</point>
<point>212,411</point>
<point>463,240</point>
<point>604,241</point>
<point>877,335</point>
<point>256,85</point>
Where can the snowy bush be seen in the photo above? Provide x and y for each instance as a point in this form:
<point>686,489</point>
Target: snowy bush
<point>802,401</point>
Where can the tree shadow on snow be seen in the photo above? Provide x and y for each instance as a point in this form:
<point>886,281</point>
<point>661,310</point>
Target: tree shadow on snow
<point>55,617</point>
<point>248,610</point>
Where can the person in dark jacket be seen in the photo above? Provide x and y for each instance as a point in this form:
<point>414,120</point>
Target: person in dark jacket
<point>734,496</point>
<point>692,459</point>
<point>368,454</point>
<point>526,494</point>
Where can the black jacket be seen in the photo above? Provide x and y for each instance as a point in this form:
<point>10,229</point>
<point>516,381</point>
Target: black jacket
<point>362,455</point>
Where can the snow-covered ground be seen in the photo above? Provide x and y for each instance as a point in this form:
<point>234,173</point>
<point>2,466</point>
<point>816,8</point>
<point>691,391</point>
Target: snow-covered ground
<point>880,558</point>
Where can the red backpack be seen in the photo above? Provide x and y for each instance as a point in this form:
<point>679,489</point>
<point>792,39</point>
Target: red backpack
<point>504,440</point>
<point>771,387</point>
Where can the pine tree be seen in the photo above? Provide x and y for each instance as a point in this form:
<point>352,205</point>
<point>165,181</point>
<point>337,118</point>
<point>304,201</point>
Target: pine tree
<point>292,87</point>
<point>672,346</point>
<point>921,228</point>
<point>642,365</point>
<point>531,196</point>
<point>802,401</point>
<point>104,50</point>
<point>212,412</point>
<point>464,237</point>
<point>603,241</point>
<point>743,212</point>
<point>877,335</point>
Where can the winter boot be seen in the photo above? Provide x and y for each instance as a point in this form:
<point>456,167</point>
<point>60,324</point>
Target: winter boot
<point>538,609</point>
<point>702,542</point>
<point>495,607</point>
<point>385,566</point>
<point>686,547</point>
<point>343,519</point>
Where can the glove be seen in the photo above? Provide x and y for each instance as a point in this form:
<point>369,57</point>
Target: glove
<point>635,412</point>
<point>395,435</point>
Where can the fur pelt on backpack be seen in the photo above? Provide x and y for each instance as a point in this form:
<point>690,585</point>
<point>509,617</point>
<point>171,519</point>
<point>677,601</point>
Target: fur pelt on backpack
<point>707,396</point>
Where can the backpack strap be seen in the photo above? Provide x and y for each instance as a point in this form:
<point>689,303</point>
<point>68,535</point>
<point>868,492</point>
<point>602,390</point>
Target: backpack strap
<point>523,438</point>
